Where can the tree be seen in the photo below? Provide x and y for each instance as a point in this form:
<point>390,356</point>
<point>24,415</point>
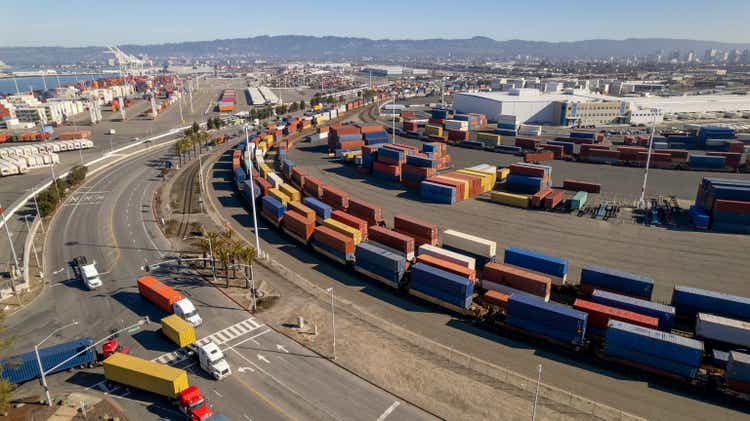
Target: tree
<point>76,175</point>
<point>301,104</point>
<point>196,127</point>
<point>293,107</point>
<point>341,99</point>
<point>210,124</point>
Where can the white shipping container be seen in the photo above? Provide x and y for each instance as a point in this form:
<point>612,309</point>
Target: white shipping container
<point>470,243</point>
<point>6,170</point>
<point>491,169</point>
<point>274,179</point>
<point>530,130</point>
<point>448,255</point>
<point>722,329</point>
<point>407,256</point>
<point>457,125</point>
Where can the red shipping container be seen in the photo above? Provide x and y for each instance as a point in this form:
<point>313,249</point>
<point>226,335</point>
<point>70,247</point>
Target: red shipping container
<point>382,167</point>
<point>298,224</point>
<point>582,186</point>
<point>333,239</point>
<point>475,183</point>
<point>679,154</point>
<point>388,160</point>
<point>352,221</point>
<point>557,150</point>
<point>364,210</point>
<point>159,294</point>
<point>736,146</point>
<point>603,153</point>
<point>655,157</point>
<point>538,156</point>
<point>455,184</point>
<point>527,143</point>
<point>526,170</point>
<point>495,298</point>
<point>264,185</point>
<point>298,177</point>
<point>392,239</point>
<point>458,135</point>
<point>423,172</point>
<point>313,187</point>
<point>522,280</point>
<point>436,121</point>
<point>553,199</point>
<point>447,266</point>
<point>370,127</point>
<point>335,198</point>
<point>426,232</point>
<point>599,315</point>
<point>536,199</point>
<point>350,144</point>
<point>410,126</point>
<point>589,147</point>
<point>735,206</point>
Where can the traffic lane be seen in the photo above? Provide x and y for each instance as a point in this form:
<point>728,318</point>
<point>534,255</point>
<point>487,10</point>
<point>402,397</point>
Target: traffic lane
<point>315,382</point>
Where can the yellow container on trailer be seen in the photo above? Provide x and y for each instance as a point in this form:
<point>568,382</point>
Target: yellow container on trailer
<point>458,180</point>
<point>145,375</point>
<point>290,191</point>
<point>269,140</point>
<point>177,330</point>
<point>352,232</point>
<point>303,210</point>
<point>490,139</point>
<point>280,196</point>
<point>510,199</point>
<point>264,170</point>
<point>262,145</point>
<point>433,130</point>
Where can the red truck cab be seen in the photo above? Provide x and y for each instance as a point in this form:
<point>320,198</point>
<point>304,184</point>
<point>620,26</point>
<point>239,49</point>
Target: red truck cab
<point>193,405</point>
<point>110,346</point>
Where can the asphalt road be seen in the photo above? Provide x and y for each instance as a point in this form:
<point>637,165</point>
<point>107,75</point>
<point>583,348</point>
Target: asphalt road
<point>700,259</point>
<point>110,221</point>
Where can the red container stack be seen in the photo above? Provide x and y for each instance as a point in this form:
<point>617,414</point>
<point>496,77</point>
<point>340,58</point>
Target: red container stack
<point>264,185</point>
<point>599,315</point>
<point>392,239</point>
<point>527,143</point>
<point>297,178</point>
<point>582,186</point>
<point>352,221</point>
<point>522,280</point>
<point>372,214</point>
<point>538,156</point>
<point>298,225</point>
<point>333,239</point>
<point>526,170</point>
<point>557,150</point>
<point>447,266</point>
<point>313,187</point>
<point>537,198</point>
<point>553,199</point>
<point>335,198</point>
<point>422,232</point>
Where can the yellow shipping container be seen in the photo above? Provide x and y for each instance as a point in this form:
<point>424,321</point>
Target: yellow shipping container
<point>502,174</point>
<point>433,130</point>
<point>344,229</point>
<point>458,180</point>
<point>303,210</point>
<point>177,330</point>
<point>280,196</point>
<point>290,191</point>
<point>262,145</point>
<point>265,170</point>
<point>145,375</point>
<point>488,181</point>
<point>510,199</point>
<point>269,139</point>
<point>492,138</point>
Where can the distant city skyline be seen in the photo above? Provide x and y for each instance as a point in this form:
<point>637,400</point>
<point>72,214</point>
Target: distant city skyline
<point>85,23</point>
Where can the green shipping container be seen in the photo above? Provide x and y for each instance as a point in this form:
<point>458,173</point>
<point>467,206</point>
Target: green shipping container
<point>579,200</point>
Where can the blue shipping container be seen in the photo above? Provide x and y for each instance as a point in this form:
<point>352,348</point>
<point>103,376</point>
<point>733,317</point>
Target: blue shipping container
<point>551,320</point>
<point>273,206</point>
<point>663,312</point>
<point>609,279</point>
<point>22,368</point>
<point>738,366</point>
<point>437,193</point>
<point>655,342</point>
<point>536,261</point>
<point>421,162</point>
<point>651,360</point>
<point>690,301</point>
<point>321,209</point>
<point>523,184</point>
<point>450,283</point>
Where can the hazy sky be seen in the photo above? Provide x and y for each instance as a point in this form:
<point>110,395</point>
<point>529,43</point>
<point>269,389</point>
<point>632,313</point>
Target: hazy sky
<point>79,22</point>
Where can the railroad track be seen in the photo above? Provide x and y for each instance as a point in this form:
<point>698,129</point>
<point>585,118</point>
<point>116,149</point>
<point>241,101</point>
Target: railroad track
<point>188,192</point>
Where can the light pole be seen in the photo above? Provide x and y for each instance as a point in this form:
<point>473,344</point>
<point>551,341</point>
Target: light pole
<point>10,243</point>
<point>393,116</point>
<point>642,201</point>
<point>333,321</point>
<point>39,360</point>
<point>33,246</point>
<point>252,194</point>
<point>536,394</point>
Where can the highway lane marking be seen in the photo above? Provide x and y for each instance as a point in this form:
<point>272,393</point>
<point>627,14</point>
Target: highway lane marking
<point>281,348</point>
<point>263,397</point>
<point>252,338</point>
<point>388,411</point>
<point>58,271</point>
<point>264,359</point>
<point>243,369</point>
<point>218,394</point>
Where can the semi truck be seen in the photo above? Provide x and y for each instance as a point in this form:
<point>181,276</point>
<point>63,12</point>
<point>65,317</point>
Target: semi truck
<point>87,272</point>
<point>209,355</point>
<point>24,367</point>
<point>168,299</point>
<point>158,379</point>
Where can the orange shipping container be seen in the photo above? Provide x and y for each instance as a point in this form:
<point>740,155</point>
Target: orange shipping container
<point>158,293</point>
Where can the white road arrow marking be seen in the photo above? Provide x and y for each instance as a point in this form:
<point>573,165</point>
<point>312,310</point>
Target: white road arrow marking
<point>281,348</point>
<point>264,359</point>
<point>59,270</point>
<point>218,394</point>
<point>243,369</point>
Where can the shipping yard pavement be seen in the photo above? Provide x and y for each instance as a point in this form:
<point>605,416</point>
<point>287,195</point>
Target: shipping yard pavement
<point>14,188</point>
<point>274,378</point>
<point>671,257</point>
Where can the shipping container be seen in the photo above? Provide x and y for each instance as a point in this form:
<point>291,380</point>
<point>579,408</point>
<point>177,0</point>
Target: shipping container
<point>395,240</point>
<point>177,330</point>
<point>145,375</point>
<point>663,312</point>
<point>597,277</point>
<point>516,278</point>
<point>441,287</point>
<point>380,264</point>
<point>555,267</point>
<point>738,371</point>
<point>600,315</point>
<point>548,320</point>
<point>453,257</point>
<point>722,329</point>
<point>322,210</point>
<point>459,241</point>
<point>159,294</point>
<point>24,367</point>
<point>689,301</point>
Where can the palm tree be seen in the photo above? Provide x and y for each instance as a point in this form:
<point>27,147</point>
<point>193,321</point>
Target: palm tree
<point>177,149</point>
<point>247,256</point>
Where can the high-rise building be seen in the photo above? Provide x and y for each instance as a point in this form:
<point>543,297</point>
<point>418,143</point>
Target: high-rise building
<point>710,55</point>
<point>690,57</point>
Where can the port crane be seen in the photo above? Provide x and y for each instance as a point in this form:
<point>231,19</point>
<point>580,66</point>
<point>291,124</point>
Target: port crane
<point>129,64</point>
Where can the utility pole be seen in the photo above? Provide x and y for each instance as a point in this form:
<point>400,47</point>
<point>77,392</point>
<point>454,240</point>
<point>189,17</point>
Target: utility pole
<point>33,246</point>
<point>333,321</point>
<point>536,394</point>
<point>393,116</point>
<point>12,249</point>
<point>252,194</point>
<point>642,200</point>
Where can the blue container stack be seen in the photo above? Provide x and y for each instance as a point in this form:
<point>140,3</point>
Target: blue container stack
<point>239,176</point>
<point>729,220</point>
<point>514,150</point>
<point>707,161</point>
<point>568,147</point>
<point>682,142</point>
<point>708,132</point>
<point>273,207</point>
<point>538,262</point>
<point>653,348</point>
<point>419,161</point>
<point>738,367</point>
<point>442,285</point>
<point>376,138</point>
<point>247,190</point>
<point>630,284</point>
<point>322,210</point>
<point>439,114</point>
<point>431,147</point>
<point>22,368</point>
<point>437,193</point>
<point>347,137</point>
<point>550,320</point>
<point>369,157</point>
<point>689,301</point>
<point>286,167</point>
<point>524,184</point>
<point>663,312</point>
<point>390,156</point>
<point>380,261</point>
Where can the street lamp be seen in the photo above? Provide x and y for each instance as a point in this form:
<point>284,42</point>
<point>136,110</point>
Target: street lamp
<point>333,321</point>
<point>536,395</point>
<point>39,360</point>
<point>10,243</point>
<point>252,194</point>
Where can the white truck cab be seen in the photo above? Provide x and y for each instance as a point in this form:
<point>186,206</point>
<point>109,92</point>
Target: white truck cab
<point>187,311</point>
<point>87,272</point>
<point>212,360</point>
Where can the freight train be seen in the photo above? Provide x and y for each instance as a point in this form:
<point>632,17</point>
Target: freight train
<point>700,339</point>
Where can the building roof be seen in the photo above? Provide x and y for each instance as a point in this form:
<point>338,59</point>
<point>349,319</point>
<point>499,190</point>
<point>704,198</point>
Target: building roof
<point>527,96</point>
